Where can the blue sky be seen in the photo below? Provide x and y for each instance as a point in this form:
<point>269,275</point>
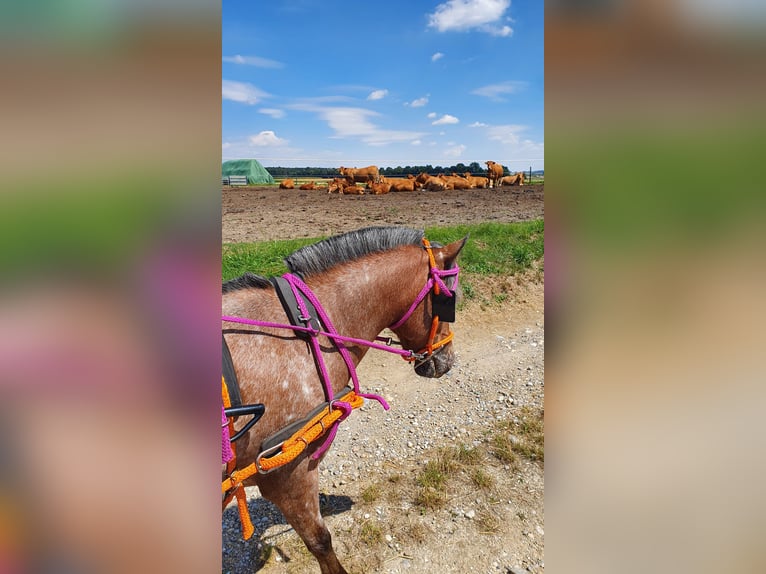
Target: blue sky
<point>341,82</point>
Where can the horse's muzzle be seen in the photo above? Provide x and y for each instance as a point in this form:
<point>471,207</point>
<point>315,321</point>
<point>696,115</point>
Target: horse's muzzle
<point>437,364</point>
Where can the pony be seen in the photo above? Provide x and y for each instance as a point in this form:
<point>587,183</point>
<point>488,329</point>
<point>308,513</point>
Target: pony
<point>362,282</point>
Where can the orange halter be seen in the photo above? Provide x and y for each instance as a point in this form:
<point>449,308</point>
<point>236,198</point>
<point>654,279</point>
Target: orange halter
<point>434,278</point>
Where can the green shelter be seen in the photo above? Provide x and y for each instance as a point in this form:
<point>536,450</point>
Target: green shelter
<point>251,168</point>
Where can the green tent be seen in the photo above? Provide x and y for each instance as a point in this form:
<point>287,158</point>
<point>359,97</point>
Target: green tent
<point>251,168</point>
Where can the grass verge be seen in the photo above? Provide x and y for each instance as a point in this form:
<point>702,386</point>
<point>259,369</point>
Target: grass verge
<point>494,250</point>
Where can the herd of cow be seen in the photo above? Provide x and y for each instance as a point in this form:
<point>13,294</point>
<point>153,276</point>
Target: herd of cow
<point>378,185</point>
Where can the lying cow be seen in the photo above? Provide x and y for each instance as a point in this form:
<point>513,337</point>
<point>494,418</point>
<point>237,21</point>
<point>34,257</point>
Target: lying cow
<point>434,184</point>
<point>454,181</point>
<point>515,179</point>
<point>342,186</point>
<point>287,184</point>
<point>476,181</point>
<point>308,186</point>
<point>379,188</point>
<point>402,184</point>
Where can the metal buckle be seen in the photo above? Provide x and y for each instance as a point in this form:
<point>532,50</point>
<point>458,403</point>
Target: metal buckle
<point>309,325</point>
<point>267,453</point>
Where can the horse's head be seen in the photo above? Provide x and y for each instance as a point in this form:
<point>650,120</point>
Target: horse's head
<point>426,330</point>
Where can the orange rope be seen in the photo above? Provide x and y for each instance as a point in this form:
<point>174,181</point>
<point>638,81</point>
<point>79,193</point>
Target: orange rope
<point>237,489</point>
<point>296,444</point>
<point>310,432</point>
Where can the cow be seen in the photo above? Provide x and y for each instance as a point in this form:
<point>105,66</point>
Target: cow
<point>457,182</point>
<point>343,187</point>
<point>421,179</point>
<point>494,172</point>
<point>306,186</point>
<point>287,184</point>
<point>361,174</point>
<point>434,184</point>
<point>402,184</point>
<point>380,188</point>
<point>477,182</point>
<point>515,179</point>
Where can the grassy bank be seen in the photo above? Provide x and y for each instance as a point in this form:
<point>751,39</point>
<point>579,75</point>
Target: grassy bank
<point>494,250</point>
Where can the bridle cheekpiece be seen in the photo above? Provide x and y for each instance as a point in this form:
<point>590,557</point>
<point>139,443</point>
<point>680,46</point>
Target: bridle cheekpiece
<point>442,304</point>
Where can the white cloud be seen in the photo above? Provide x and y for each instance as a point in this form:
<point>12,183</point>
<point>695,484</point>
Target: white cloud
<point>446,119</point>
<point>455,151</point>
<point>378,95</point>
<point>348,122</point>
<point>416,142</point>
<point>463,15</point>
<point>431,115</point>
<point>478,125</point>
<point>507,134</point>
<point>267,138</point>
<point>496,92</point>
<point>419,103</point>
<point>241,92</point>
<point>273,112</point>
<point>516,146</point>
<point>253,61</point>
<point>437,56</point>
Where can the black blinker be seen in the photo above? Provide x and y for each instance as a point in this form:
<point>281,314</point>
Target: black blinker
<point>443,307</point>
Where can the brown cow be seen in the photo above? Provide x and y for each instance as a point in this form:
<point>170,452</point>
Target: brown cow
<point>343,187</point>
<point>457,182</point>
<point>494,172</point>
<point>477,182</point>
<point>422,178</point>
<point>287,184</point>
<point>402,184</point>
<point>311,185</point>
<point>434,184</point>
<point>380,188</point>
<point>361,174</point>
<point>515,179</point>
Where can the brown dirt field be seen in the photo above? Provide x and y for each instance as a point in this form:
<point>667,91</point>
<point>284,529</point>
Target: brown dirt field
<point>258,213</point>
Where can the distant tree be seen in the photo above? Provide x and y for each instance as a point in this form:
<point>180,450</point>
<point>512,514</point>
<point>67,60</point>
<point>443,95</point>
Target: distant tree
<point>474,167</point>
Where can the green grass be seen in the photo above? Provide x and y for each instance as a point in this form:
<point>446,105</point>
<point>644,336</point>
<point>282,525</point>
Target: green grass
<point>371,493</point>
<point>371,534</point>
<point>493,249</point>
<point>524,437</point>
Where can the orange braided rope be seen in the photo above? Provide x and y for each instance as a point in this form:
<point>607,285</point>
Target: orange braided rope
<point>310,432</point>
<point>237,489</point>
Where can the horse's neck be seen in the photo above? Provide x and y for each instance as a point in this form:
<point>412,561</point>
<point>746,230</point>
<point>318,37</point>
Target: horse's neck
<point>365,296</point>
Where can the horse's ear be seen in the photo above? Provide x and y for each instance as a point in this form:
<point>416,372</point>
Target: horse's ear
<point>449,253</point>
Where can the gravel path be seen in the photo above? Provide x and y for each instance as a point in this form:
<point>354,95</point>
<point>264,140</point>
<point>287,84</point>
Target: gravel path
<point>498,373</point>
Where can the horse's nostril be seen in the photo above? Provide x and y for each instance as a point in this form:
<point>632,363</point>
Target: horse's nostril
<point>426,369</point>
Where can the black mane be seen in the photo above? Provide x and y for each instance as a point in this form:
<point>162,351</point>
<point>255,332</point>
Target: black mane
<point>248,280</point>
<point>333,251</point>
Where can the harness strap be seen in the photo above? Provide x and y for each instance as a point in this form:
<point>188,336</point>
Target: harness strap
<point>287,451</point>
<point>230,376</point>
<point>294,309</point>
